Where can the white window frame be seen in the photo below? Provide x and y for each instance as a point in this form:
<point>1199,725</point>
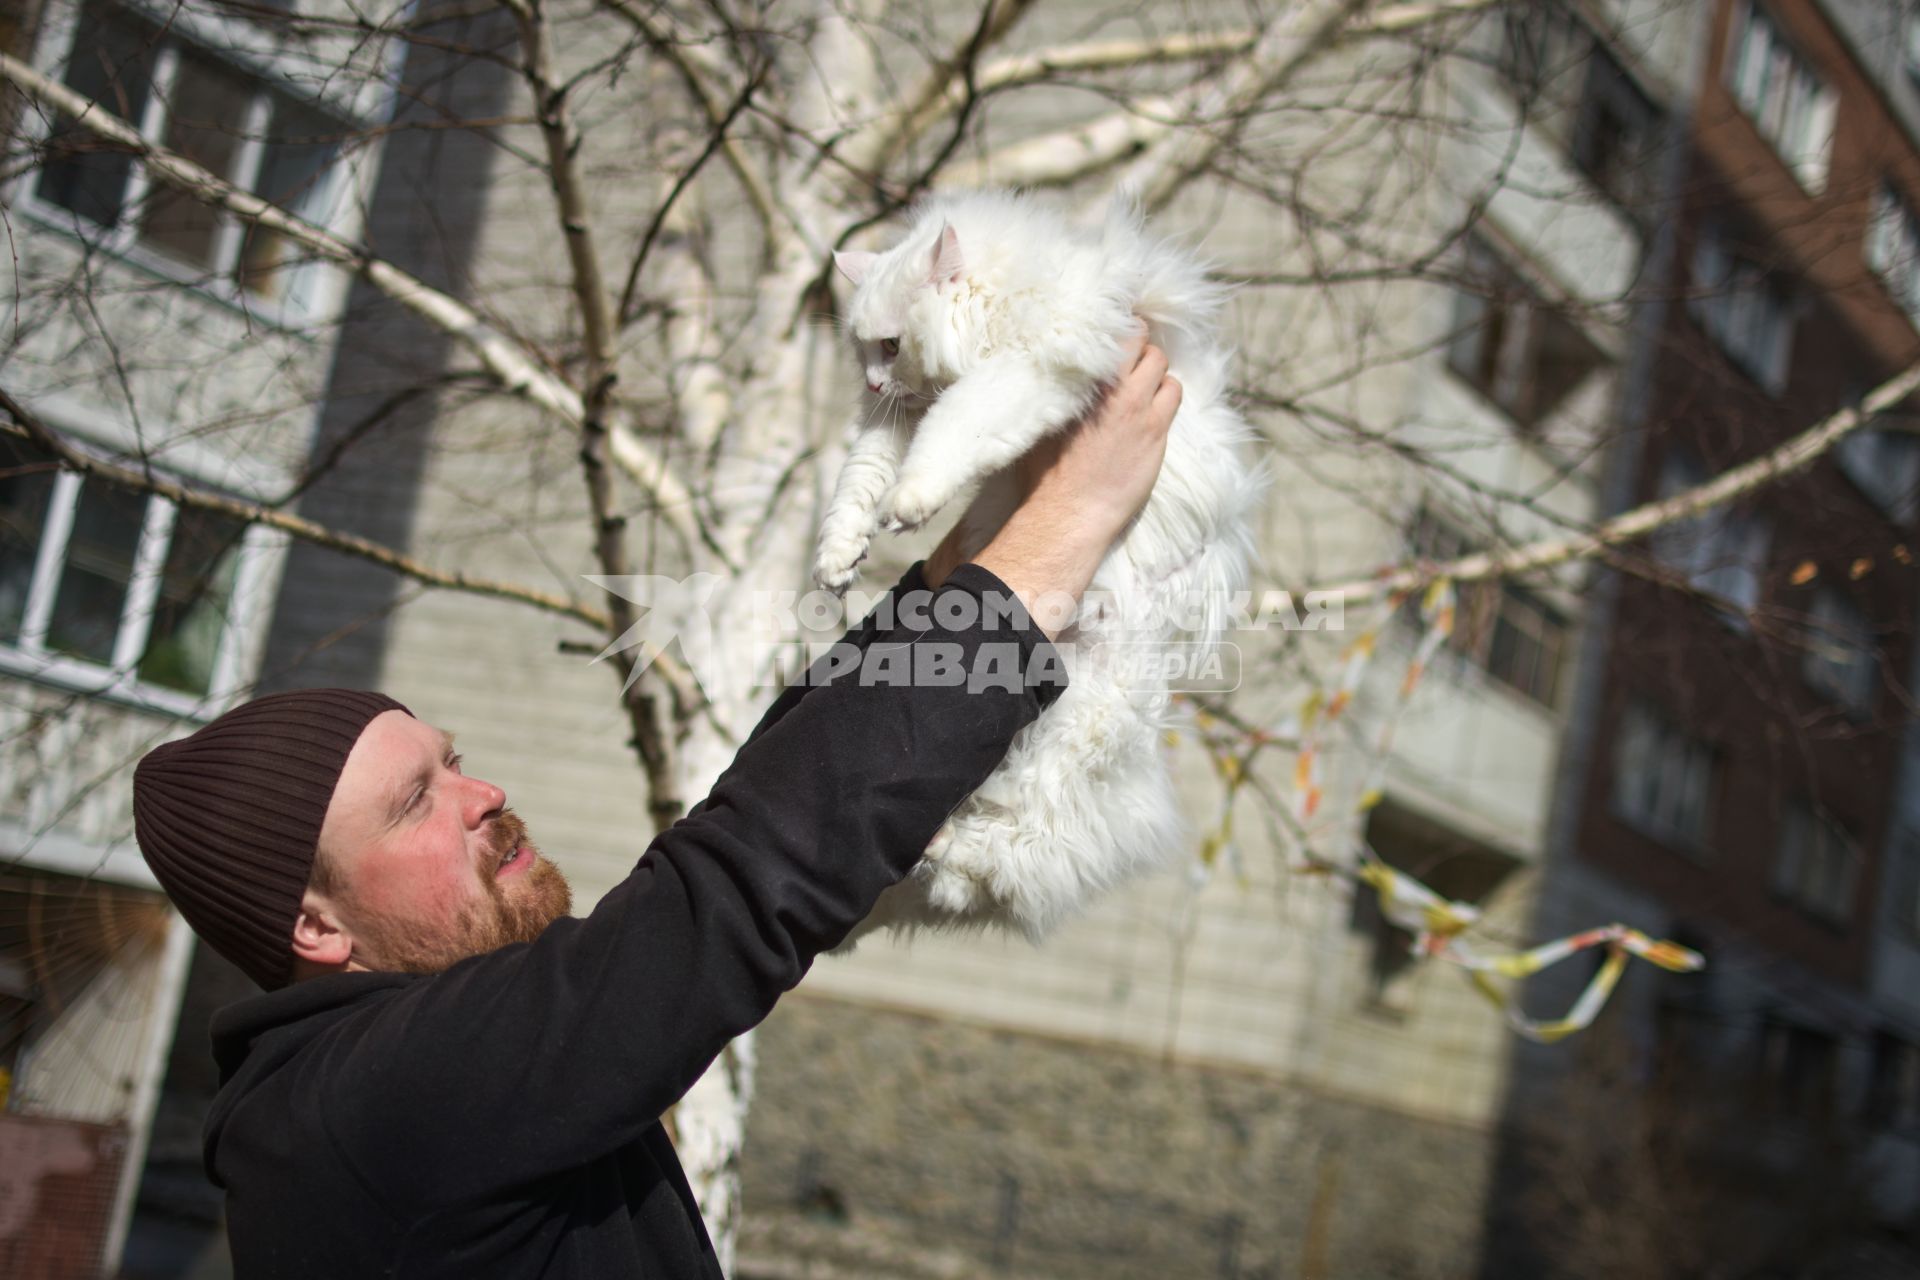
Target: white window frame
<point>1788,102</point>
<point>313,289</point>
<point>30,657</point>
<point>1664,780</point>
<point>1892,248</point>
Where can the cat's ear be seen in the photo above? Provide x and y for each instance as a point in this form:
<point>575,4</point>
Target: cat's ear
<point>853,264</point>
<point>947,264</point>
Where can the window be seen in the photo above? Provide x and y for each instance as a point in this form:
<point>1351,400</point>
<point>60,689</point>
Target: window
<point>1525,643</point>
<point>1894,1098</point>
<point>1782,96</point>
<point>1501,627</point>
<point>1893,248</point>
<point>1542,41</point>
<point>1746,309</point>
<point>19,20</point>
<point>1796,1067</point>
<point>1453,866</point>
<point>1723,551</point>
<point>97,581</point>
<point>1663,780</point>
<point>59,936</point>
<point>1509,345</point>
<point>1839,661</point>
<point>213,113</point>
<point>1618,137</point>
<point>1904,881</point>
<point>1817,864</point>
<point>1885,464</point>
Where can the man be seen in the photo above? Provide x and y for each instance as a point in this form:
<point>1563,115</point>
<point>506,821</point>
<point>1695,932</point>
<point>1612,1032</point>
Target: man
<point>449,1075</point>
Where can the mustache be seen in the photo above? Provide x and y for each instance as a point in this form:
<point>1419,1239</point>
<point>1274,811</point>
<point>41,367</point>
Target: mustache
<point>508,833</point>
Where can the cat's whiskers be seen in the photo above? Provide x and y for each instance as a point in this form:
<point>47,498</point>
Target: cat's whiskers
<point>882,402</point>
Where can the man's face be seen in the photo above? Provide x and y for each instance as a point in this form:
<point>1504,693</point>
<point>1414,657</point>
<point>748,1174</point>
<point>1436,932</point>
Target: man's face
<point>429,866</point>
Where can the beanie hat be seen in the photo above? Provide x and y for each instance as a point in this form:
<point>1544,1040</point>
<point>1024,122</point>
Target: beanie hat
<point>229,817</point>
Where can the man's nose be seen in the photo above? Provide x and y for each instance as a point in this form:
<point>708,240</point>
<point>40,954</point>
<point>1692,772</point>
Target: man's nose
<point>484,801</point>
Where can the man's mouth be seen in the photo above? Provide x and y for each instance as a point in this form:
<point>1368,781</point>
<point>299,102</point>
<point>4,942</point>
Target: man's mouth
<point>516,853</point>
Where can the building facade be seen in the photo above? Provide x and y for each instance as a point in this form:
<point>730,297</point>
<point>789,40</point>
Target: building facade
<point>144,326</point>
<point>1732,774</point>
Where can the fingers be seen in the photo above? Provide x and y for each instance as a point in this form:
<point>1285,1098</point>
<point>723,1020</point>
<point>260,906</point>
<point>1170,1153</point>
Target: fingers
<point>1132,349</point>
<point>1152,364</point>
<point>1166,400</point>
<point>1143,382</point>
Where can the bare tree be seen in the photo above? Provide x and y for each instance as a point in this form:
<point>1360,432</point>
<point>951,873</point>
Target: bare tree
<point>697,165</point>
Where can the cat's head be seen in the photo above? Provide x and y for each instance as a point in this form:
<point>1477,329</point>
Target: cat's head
<point>901,317</point>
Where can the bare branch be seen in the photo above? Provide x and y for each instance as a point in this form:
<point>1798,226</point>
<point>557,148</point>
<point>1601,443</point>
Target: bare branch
<point>716,141</point>
<point>29,426</point>
<point>941,92</point>
<point>516,372</point>
<point>650,737</point>
<point>1168,122</point>
<point>1790,458</point>
<point>702,81</point>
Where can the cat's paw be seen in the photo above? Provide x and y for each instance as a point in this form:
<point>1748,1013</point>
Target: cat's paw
<point>942,841</point>
<point>837,563</point>
<point>911,504</point>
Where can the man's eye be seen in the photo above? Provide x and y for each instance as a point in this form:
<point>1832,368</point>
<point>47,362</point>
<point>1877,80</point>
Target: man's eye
<point>453,762</point>
<point>890,347</point>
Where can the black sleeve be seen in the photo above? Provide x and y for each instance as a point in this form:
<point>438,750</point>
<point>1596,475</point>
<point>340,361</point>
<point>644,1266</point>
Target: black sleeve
<point>533,1059</point>
<point>860,635</point>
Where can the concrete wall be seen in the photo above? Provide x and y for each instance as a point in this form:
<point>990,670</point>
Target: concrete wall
<point>1031,1155</point>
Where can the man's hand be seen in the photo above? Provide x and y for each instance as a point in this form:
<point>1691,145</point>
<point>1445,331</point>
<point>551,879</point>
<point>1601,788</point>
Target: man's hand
<point>1099,471</point>
<point>1081,488</point>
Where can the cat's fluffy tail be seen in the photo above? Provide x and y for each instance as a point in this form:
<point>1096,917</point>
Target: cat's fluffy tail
<point>1174,291</point>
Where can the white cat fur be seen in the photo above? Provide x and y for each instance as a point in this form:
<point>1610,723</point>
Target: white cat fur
<point>1009,321</point>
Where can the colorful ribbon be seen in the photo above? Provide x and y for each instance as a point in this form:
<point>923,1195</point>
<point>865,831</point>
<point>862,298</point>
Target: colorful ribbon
<point>1437,926</point>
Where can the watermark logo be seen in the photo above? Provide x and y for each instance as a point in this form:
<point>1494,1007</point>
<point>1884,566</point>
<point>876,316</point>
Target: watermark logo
<point>1138,643</point>
<point>676,609</point>
<point>1179,666</point>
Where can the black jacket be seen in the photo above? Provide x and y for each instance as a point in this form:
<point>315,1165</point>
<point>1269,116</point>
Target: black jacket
<point>503,1118</point>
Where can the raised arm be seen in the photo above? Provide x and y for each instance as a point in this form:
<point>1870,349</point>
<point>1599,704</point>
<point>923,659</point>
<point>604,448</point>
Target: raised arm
<point>570,1046</point>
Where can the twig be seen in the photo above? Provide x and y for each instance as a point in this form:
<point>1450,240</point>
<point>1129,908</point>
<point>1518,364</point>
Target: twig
<point>514,370</point>
<point>1790,458</point>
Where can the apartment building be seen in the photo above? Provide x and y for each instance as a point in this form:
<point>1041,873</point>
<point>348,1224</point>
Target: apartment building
<point>1256,1075</point>
<point>1198,1077</point>
<point>1733,767</point>
<point>1221,1075</point>
<point>145,325</point>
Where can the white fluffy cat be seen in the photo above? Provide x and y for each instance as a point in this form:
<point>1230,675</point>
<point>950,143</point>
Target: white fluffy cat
<point>994,322</point>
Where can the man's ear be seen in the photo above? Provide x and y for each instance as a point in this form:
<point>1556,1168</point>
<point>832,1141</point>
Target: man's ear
<point>318,936</point>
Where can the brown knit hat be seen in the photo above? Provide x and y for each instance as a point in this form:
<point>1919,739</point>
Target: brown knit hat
<point>229,817</point>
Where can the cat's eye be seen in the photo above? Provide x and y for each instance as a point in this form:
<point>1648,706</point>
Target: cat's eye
<point>890,347</point>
